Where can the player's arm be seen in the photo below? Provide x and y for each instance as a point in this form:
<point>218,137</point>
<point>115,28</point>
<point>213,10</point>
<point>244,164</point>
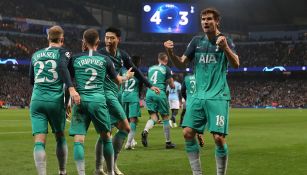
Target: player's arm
<point>140,89</point>
<point>167,90</point>
<point>184,90</point>
<point>179,94</point>
<point>169,78</point>
<point>31,74</point>
<point>138,74</point>
<point>228,49</point>
<point>170,82</point>
<point>65,76</point>
<point>179,62</point>
<point>115,76</point>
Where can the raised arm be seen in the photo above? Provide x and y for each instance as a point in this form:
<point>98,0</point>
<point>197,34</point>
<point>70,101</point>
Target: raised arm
<point>179,62</point>
<point>228,49</point>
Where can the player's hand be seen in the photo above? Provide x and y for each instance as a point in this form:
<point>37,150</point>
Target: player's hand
<point>75,97</point>
<point>169,44</point>
<point>221,42</point>
<point>129,74</point>
<point>156,89</point>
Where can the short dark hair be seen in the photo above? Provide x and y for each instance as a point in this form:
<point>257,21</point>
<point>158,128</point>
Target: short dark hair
<point>136,60</point>
<point>162,56</point>
<point>215,12</point>
<point>115,30</point>
<point>55,33</point>
<point>91,36</point>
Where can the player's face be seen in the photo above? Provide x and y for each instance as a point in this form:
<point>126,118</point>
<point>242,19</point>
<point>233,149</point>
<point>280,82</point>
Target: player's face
<point>208,23</point>
<point>111,40</point>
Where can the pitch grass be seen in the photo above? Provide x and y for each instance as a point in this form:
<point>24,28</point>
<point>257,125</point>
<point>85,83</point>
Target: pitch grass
<point>261,142</point>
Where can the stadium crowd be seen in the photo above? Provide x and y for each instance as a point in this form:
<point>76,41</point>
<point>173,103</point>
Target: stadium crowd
<point>252,54</point>
<point>15,89</point>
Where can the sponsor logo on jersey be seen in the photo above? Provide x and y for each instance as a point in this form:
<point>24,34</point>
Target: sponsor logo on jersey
<point>207,58</point>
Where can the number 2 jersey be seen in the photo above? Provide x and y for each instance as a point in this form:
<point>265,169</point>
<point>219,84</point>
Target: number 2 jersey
<point>46,70</point>
<point>89,69</point>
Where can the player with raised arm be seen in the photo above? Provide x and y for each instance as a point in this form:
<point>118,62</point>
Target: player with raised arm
<point>131,101</point>
<point>48,73</point>
<point>90,69</point>
<point>209,105</point>
<point>159,75</point>
<point>118,117</point>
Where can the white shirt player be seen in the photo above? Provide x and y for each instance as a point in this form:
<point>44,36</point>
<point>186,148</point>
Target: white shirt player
<point>173,96</point>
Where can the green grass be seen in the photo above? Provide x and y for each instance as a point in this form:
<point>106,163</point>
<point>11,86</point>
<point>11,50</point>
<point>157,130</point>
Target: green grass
<point>261,142</point>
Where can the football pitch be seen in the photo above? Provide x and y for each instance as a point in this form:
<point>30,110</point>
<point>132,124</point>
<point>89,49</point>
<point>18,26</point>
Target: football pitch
<point>261,142</point>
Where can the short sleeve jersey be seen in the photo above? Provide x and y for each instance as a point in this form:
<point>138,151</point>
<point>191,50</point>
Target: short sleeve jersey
<point>90,70</point>
<point>173,93</point>
<point>210,68</point>
<point>47,84</point>
<point>158,74</point>
<point>130,89</point>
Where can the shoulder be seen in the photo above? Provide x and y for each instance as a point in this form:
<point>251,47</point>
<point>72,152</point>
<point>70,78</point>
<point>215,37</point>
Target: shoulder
<point>123,54</point>
<point>103,51</point>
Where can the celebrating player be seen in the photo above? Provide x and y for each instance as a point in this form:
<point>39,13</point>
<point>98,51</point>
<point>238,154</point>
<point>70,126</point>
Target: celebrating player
<point>48,72</point>
<point>159,75</point>
<point>90,69</point>
<point>131,102</point>
<point>117,114</point>
<point>209,105</point>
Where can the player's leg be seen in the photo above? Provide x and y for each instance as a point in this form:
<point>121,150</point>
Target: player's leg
<point>174,106</point>
<point>100,117</point>
<point>119,119</point>
<point>149,125</point>
<point>163,108</point>
<point>151,105</point>
<point>78,129</point>
<point>133,122</point>
<point>39,153</point>
<point>79,153</point>
<point>39,122</point>
<point>57,122</point>
<point>194,122</point>
<point>61,152</point>
<point>218,126</point>
<point>167,132</point>
<point>134,111</point>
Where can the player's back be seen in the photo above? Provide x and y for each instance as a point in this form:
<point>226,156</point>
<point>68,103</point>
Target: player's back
<point>47,84</point>
<point>158,75</point>
<point>190,84</point>
<point>130,89</point>
<point>90,69</point>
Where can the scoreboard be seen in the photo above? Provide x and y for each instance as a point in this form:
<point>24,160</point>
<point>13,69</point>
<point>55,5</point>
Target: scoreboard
<point>169,18</point>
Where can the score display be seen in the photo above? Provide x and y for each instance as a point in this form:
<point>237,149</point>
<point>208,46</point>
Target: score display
<point>169,18</point>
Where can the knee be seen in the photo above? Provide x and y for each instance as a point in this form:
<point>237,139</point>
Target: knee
<point>79,138</point>
<point>124,126</point>
<point>188,133</point>
<point>219,139</point>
